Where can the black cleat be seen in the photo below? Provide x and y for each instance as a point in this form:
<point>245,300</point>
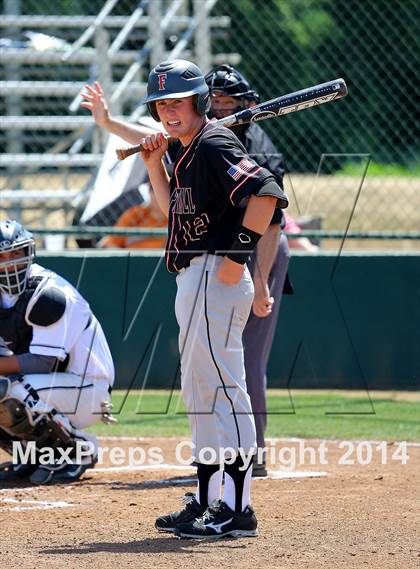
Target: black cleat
<point>219,521</point>
<point>12,471</point>
<point>189,513</point>
<point>259,470</point>
<point>50,475</point>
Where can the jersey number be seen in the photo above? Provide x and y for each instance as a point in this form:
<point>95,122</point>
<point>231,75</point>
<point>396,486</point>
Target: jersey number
<point>193,230</point>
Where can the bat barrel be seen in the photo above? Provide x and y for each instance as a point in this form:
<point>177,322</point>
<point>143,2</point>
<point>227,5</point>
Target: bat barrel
<point>336,89</point>
<point>290,103</point>
<point>342,87</point>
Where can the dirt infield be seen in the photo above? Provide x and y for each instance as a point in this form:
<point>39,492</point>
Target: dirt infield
<point>347,515</point>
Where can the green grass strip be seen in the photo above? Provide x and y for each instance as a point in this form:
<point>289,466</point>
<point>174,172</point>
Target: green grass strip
<point>317,414</point>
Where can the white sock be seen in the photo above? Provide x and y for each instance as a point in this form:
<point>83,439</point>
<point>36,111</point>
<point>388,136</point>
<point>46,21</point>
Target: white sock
<point>214,490</point>
<point>229,496</point>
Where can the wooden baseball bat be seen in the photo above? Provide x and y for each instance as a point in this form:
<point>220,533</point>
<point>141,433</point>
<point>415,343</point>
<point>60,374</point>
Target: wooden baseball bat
<point>290,103</point>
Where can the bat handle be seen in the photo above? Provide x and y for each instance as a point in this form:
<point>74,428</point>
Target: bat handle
<point>123,153</point>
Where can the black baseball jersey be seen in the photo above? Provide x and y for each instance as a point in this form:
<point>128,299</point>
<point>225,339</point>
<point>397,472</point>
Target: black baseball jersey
<point>212,180</point>
<point>261,148</point>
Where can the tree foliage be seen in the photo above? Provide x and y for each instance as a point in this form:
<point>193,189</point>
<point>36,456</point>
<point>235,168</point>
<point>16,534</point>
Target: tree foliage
<point>286,46</point>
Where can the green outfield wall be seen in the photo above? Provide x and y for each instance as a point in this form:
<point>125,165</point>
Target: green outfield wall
<point>353,321</point>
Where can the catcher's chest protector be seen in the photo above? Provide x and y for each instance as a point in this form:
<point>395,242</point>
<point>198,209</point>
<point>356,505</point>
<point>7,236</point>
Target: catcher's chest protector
<point>14,330</point>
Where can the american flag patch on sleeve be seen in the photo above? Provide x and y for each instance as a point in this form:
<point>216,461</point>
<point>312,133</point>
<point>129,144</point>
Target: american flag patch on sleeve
<point>240,169</point>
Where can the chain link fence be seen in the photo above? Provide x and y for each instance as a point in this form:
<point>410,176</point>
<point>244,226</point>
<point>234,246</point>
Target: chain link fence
<point>352,163</point>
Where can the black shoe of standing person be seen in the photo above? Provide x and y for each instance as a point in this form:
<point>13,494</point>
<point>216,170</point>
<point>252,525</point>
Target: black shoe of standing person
<point>219,521</point>
<point>259,470</point>
<point>189,513</point>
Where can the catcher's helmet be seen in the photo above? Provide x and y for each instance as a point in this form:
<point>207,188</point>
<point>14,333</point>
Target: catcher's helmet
<point>175,80</point>
<point>228,81</point>
<point>14,271</point>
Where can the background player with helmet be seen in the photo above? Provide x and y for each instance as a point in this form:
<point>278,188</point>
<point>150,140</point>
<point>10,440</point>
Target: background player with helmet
<point>219,202</point>
<point>231,92</point>
<point>56,369</point>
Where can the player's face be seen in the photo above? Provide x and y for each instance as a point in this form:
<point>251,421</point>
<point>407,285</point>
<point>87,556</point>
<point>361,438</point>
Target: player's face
<point>14,265</point>
<point>223,106</point>
<point>179,118</point>
<point>11,256</point>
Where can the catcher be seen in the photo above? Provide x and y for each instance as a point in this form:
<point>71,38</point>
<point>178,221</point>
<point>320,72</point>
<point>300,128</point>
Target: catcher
<point>56,369</point>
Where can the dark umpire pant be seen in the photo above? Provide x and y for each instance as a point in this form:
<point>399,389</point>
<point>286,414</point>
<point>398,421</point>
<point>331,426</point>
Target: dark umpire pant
<point>258,340</point>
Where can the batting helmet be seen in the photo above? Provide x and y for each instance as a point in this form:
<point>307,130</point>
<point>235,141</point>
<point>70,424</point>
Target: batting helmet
<point>14,269</point>
<point>228,81</point>
<point>175,80</point>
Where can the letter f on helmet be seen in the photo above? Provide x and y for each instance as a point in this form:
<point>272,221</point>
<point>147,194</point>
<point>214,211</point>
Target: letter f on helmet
<point>162,81</point>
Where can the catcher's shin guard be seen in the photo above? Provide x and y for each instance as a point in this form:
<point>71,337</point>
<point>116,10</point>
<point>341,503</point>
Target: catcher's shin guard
<point>30,419</point>
<point>13,415</point>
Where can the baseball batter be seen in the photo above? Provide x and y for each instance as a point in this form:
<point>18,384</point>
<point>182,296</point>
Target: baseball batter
<point>219,203</point>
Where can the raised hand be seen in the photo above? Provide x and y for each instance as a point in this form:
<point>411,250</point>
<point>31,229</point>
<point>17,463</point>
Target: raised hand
<point>94,100</point>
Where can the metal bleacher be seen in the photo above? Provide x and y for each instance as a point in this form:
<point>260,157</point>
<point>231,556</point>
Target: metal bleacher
<point>44,135</point>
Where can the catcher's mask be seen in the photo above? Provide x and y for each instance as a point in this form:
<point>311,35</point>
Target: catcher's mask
<point>226,81</point>
<point>17,250</point>
<point>177,79</point>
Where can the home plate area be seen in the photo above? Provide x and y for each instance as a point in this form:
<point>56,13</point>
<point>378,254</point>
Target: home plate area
<point>327,514</point>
